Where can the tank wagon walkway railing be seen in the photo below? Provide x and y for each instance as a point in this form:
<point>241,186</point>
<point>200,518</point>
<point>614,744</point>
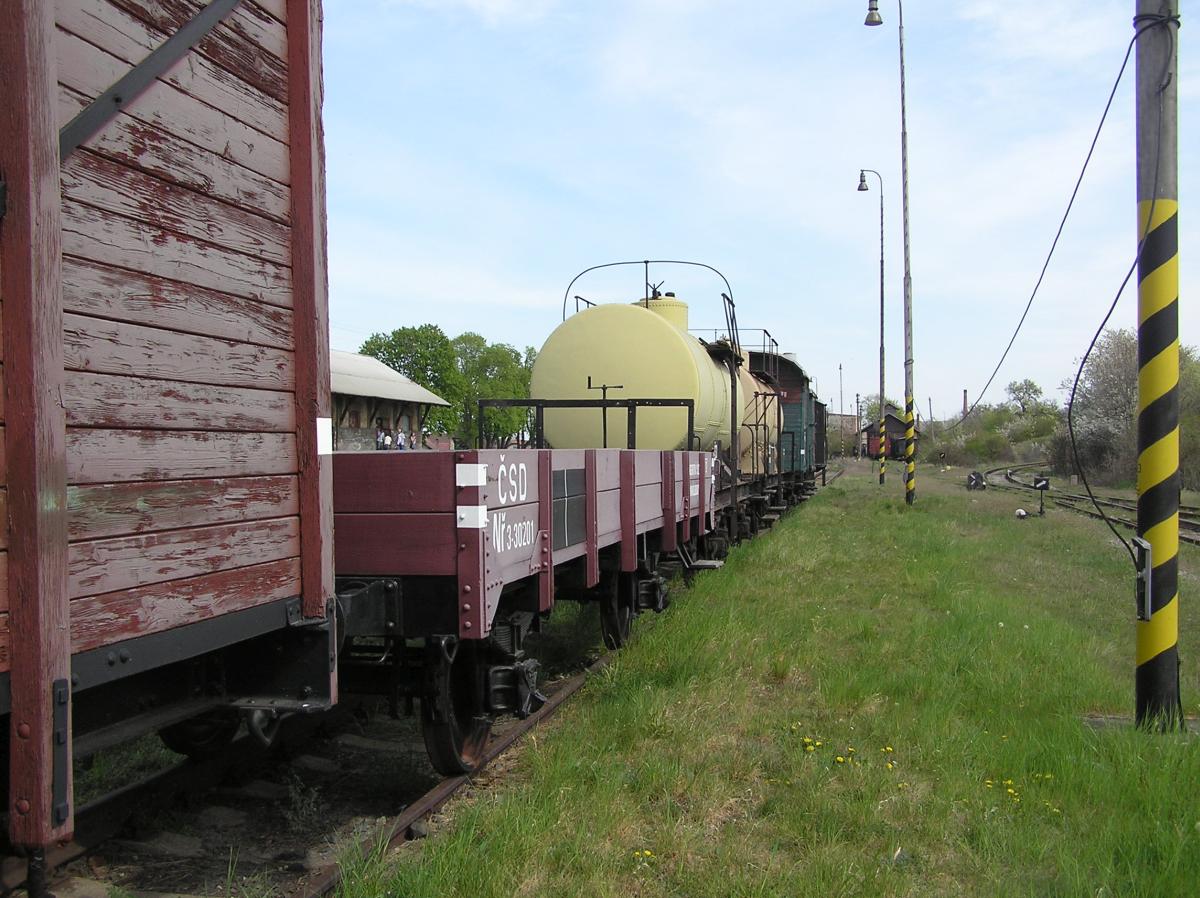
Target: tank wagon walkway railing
<point>537,436</point>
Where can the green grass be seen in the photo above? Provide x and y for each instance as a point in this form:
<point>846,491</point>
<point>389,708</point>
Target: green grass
<point>703,761</point>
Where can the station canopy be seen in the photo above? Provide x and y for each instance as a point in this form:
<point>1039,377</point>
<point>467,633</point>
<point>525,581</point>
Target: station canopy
<point>351,374</point>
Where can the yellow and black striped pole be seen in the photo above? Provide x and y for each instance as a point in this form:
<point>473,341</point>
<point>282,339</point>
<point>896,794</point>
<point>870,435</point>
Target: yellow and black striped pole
<point>910,448</point>
<point>1158,703</point>
<point>882,446</point>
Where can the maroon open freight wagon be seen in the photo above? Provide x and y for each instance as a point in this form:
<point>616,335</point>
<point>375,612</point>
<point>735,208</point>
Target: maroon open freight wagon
<point>446,560</point>
<point>165,547</point>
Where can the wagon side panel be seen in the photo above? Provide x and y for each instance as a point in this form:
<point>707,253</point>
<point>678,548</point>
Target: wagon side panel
<point>193,284</point>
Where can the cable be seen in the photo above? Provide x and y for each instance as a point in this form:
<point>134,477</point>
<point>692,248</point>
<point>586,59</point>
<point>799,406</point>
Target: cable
<point>1061,225</point>
<point>1155,21</point>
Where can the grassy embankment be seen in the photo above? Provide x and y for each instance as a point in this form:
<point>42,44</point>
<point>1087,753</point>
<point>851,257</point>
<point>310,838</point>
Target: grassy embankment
<point>868,701</point>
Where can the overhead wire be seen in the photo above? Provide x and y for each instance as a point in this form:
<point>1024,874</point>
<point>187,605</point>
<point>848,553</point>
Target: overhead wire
<point>1058,234</point>
<point>1164,81</point>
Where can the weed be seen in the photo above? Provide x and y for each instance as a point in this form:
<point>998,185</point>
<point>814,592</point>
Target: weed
<point>304,803</point>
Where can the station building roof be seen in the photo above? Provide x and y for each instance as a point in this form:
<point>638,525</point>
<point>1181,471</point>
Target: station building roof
<point>352,374</point>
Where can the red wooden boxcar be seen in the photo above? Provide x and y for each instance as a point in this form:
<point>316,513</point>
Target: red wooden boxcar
<point>165,367</point>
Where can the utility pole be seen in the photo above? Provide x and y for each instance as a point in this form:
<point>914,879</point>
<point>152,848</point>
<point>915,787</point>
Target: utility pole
<point>857,421</point>
<point>910,443</point>
<point>1157,685</point>
<point>930,424</point>
<point>841,414</point>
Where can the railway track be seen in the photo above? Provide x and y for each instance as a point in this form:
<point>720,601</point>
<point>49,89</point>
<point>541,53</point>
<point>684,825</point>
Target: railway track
<point>1189,515</point>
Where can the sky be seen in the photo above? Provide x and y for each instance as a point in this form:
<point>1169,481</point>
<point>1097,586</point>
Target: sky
<point>481,153</point>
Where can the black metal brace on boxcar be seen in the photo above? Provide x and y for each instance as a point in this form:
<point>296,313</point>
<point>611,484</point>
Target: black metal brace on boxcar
<point>102,110</point>
<point>60,804</point>
<point>631,406</point>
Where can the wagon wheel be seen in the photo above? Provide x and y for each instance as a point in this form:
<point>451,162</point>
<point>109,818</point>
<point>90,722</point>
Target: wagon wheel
<point>617,602</point>
<point>453,720</point>
<point>203,736</point>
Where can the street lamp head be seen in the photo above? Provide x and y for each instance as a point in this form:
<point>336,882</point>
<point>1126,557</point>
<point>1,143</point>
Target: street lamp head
<point>862,181</point>
<point>873,17</point>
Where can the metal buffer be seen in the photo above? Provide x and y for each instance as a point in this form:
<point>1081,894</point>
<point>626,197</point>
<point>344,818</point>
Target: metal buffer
<point>1157,24</point>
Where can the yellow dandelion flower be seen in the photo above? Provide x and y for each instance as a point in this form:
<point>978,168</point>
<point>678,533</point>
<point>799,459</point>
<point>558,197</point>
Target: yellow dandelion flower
<point>850,750</point>
<point>807,740</point>
<point>888,748</point>
<point>891,766</point>
<point>902,786</point>
<point>1010,790</point>
<point>818,743</point>
<point>840,759</point>
<point>809,748</point>
<point>1008,782</point>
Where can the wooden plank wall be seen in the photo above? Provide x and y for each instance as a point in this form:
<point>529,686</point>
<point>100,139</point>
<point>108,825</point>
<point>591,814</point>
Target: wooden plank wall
<point>178,333</point>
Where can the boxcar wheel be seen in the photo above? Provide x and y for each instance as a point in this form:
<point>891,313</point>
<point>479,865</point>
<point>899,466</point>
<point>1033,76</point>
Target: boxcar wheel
<point>617,604</point>
<point>204,736</point>
<point>453,721</point>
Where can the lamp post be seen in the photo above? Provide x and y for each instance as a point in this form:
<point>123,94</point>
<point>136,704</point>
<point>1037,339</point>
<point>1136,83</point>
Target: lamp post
<point>910,446</point>
<point>862,185</point>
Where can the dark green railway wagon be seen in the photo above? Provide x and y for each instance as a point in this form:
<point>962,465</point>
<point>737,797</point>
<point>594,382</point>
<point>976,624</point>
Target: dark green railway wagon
<point>799,423</point>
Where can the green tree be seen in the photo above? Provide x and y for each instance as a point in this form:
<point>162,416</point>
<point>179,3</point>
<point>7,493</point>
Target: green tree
<point>1025,393</point>
<point>425,355</point>
<point>871,409</point>
<point>491,371</point>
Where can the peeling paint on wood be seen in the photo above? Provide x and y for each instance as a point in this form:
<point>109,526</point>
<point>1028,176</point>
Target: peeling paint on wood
<point>104,292</point>
<point>115,240</point>
<point>106,566</point>
<point>110,347</point>
<point>130,40</point>
<point>248,43</point>
<point>99,183</point>
<point>101,620</point>
<point>121,456</point>
<point>102,400</point>
<point>87,69</point>
<point>311,301</point>
<point>30,246</point>
<point>125,508</point>
<point>277,8</point>
<point>135,142</point>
